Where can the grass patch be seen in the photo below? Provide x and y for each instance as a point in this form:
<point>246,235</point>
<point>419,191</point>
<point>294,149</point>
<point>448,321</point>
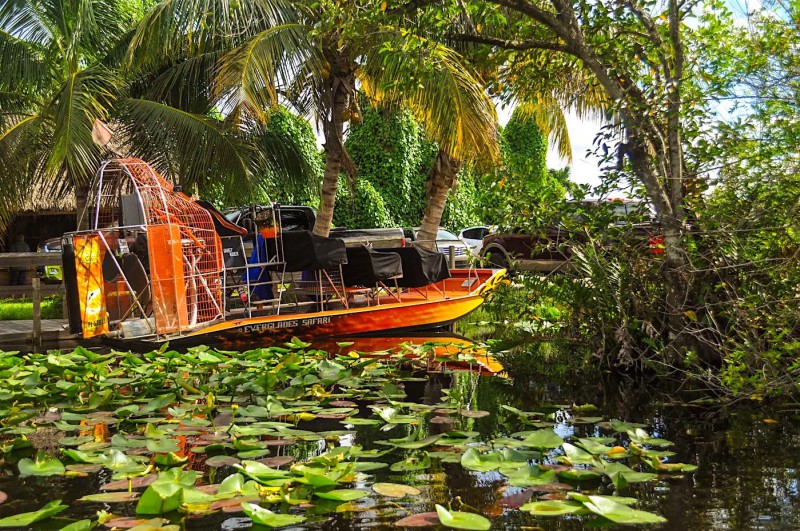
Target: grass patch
<point>22,309</point>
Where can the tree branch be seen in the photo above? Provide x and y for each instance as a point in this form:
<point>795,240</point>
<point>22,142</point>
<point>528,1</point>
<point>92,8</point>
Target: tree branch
<point>512,44</point>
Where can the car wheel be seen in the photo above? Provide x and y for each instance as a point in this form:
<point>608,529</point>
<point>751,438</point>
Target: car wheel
<point>496,258</point>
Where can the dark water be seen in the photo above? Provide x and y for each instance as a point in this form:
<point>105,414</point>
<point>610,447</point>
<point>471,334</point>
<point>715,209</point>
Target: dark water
<point>747,455</point>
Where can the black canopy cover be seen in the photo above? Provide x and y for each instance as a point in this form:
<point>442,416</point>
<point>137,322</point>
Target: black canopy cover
<point>420,266</point>
<point>366,267</point>
<point>305,251</point>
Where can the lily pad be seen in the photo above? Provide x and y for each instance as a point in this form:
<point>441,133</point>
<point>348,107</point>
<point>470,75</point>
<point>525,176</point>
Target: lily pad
<point>554,508</point>
<point>111,497</point>
<point>419,520</point>
<point>343,495</point>
<point>395,490</point>
<point>411,464</point>
<point>543,440</point>
<point>621,514</point>
<point>25,519</point>
<point>160,498</point>
<point>222,460</point>
<point>265,517</point>
<point>42,466</point>
<point>462,520</point>
<point>133,483</point>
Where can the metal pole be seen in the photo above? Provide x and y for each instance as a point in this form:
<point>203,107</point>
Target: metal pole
<point>452,256</point>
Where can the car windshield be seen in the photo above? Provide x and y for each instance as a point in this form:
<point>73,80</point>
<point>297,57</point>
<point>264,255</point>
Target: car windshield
<point>445,235</point>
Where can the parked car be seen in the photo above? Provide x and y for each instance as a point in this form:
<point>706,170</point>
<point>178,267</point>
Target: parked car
<point>549,248</point>
<point>473,237</point>
<point>444,240</point>
<point>51,274</point>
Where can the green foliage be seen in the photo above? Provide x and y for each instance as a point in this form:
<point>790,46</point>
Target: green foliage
<point>362,208</point>
<point>522,190</point>
<point>22,309</point>
<point>393,156</point>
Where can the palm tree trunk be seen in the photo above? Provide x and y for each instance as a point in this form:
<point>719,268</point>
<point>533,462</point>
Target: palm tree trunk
<point>82,219</point>
<point>334,154</point>
<point>441,179</point>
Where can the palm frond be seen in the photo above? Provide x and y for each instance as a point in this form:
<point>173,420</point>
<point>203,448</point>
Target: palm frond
<point>433,82</point>
<point>85,97</point>
<point>22,19</point>
<point>248,75</point>
<point>180,28</point>
<point>186,84</point>
<point>189,147</point>
<point>23,155</point>
<point>24,67</point>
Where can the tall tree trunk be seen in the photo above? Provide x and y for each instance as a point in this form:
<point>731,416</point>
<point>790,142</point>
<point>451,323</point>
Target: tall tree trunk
<point>341,86</point>
<point>441,179</point>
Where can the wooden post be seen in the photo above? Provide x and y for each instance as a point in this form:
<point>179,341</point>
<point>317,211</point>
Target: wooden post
<point>452,256</point>
<point>37,310</point>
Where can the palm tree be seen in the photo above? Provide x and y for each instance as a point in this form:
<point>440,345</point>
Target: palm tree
<point>60,83</point>
<point>56,85</point>
<point>314,55</point>
<point>554,85</point>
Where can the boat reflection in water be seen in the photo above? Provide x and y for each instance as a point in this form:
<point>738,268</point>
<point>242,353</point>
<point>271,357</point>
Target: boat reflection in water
<point>441,350</point>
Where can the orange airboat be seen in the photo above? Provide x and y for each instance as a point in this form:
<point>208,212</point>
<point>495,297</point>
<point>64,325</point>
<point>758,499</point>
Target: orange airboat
<point>157,266</point>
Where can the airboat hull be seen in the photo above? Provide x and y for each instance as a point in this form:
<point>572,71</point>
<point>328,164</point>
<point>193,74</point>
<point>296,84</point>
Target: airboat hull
<point>338,323</point>
<point>435,311</point>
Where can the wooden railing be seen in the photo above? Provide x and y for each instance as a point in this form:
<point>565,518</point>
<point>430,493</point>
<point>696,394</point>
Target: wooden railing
<point>35,290</point>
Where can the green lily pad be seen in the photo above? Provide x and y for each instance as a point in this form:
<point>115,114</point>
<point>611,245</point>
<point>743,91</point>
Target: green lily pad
<point>42,466</point>
<point>80,525</point>
<point>265,517</point>
<point>25,519</point>
<point>160,498</point>
<point>462,520</point>
<point>472,459</point>
<point>411,463</point>
<point>111,497</point>
<point>415,445</point>
<point>554,508</point>
<point>530,476</point>
<point>163,445</point>
<point>621,514</point>
<point>543,439</point>
<point>343,495</point>
<point>395,490</point>
<point>578,474</point>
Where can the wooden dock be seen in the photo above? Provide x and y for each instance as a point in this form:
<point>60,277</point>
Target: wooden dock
<point>18,335</point>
